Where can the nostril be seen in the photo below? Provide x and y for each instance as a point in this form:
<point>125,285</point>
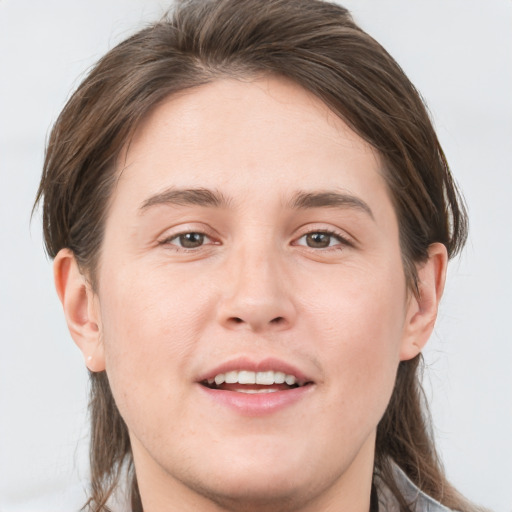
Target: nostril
<point>257,323</point>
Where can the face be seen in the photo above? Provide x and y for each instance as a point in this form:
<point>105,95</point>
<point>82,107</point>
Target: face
<point>251,239</point>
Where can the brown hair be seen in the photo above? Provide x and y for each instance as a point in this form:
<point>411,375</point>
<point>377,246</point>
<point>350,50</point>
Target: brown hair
<point>317,45</point>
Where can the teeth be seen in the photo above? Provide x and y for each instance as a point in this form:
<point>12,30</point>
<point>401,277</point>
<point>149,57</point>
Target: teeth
<point>231,377</point>
<point>265,378</point>
<point>290,380</point>
<point>279,377</point>
<point>247,377</point>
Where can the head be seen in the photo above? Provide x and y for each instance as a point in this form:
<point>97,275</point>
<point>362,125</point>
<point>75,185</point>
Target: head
<point>246,126</point>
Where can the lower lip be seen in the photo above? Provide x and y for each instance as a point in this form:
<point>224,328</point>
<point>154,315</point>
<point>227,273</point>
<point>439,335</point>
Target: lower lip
<point>257,404</point>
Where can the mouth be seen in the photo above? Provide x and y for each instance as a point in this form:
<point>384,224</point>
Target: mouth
<point>254,382</point>
<point>253,388</point>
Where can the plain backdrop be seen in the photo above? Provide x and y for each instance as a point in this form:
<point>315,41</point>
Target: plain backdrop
<point>457,52</point>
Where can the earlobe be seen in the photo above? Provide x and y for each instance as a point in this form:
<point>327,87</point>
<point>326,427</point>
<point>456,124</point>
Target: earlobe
<point>80,309</point>
<point>422,309</point>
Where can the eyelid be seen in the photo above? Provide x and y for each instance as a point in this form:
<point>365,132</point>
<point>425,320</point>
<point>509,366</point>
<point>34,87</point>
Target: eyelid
<point>170,239</point>
<point>172,233</point>
<point>341,242</point>
<point>344,239</point>
<point>213,239</point>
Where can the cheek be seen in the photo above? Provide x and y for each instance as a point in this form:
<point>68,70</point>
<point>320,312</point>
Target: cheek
<point>150,303</point>
<point>149,326</point>
<point>361,320</point>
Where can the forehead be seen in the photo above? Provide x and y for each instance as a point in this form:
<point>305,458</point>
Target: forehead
<point>247,136</point>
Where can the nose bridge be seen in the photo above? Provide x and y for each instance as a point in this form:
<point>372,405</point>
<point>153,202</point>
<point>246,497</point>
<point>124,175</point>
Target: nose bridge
<point>256,296</point>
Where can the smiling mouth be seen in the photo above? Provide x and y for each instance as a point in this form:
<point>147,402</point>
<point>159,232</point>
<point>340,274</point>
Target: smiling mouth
<point>246,381</point>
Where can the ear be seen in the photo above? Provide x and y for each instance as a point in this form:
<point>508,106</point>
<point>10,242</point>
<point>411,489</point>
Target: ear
<point>422,309</point>
<point>81,309</point>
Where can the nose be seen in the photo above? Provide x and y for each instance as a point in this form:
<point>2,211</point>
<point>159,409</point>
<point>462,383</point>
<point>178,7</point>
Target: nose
<point>256,295</point>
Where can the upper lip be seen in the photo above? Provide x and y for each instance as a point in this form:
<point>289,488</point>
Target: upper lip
<point>263,365</point>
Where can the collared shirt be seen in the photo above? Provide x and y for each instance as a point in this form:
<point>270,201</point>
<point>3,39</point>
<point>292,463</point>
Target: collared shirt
<point>420,502</point>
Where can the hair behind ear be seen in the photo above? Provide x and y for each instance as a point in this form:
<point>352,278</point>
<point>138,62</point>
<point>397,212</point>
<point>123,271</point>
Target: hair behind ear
<point>110,447</point>
<point>404,437</point>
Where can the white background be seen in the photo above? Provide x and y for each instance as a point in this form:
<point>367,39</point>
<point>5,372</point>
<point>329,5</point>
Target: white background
<point>459,55</point>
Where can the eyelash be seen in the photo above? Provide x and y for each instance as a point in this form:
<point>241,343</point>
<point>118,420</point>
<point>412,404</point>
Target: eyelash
<point>342,240</point>
<point>168,241</point>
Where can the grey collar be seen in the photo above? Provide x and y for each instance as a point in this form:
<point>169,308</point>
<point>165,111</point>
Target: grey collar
<point>419,501</point>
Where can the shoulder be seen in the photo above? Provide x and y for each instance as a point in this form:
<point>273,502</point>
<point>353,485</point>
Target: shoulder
<point>421,501</point>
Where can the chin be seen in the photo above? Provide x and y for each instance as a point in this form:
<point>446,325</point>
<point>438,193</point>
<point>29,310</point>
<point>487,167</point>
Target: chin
<point>256,490</point>
<point>270,480</point>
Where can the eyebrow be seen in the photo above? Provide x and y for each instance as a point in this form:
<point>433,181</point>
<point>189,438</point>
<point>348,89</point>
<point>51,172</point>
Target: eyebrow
<point>305,200</point>
<point>215,199</point>
<point>186,197</point>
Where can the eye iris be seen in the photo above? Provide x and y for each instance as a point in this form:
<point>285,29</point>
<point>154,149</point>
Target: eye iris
<point>191,240</point>
<point>318,240</point>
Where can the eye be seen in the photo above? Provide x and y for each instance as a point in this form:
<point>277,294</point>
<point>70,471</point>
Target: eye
<point>191,240</point>
<point>321,240</point>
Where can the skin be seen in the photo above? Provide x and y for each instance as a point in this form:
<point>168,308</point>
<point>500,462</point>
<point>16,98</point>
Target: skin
<point>161,315</point>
